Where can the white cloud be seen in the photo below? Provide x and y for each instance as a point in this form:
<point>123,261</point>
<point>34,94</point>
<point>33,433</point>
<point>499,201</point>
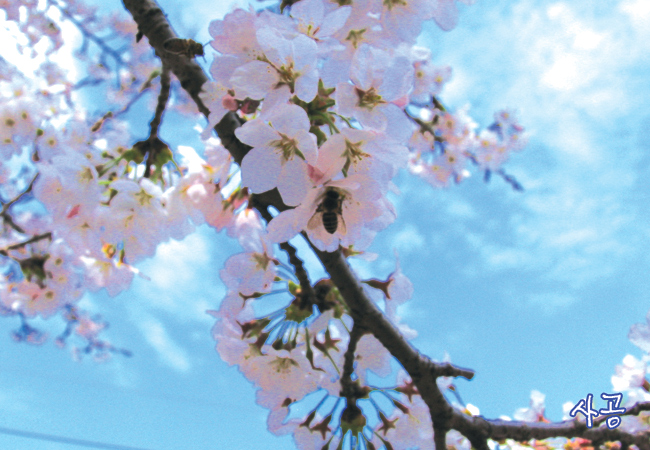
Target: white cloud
<point>551,302</point>
<point>572,75</point>
<point>408,240</point>
<point>638,11</point>
<point>169,352</point>
<point>184,279</point>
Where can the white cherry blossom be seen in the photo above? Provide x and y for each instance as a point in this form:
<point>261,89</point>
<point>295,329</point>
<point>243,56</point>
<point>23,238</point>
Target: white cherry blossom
<point>378,79</point>
<point>282,147</point>
<point>287,61</point>
<point>314,21</point>
<point>250,272</point>
<point>360,205</point>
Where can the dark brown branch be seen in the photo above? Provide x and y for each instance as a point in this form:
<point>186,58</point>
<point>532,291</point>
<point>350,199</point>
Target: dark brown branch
<point>351,390</point>
<point>294,260</point>
<point>39,237</point>
<point>478,429</point>
<point>5,208</point>
<point>165,84</point>
<point>299,268</point>
<point>152,23</point>
<point>347,385</point>
<point>154,142</point>
<point>440,438</point>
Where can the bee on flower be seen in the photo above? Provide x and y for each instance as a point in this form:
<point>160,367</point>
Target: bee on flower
<point>356,201</point>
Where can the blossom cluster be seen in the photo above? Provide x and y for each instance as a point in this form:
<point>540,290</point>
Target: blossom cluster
<point>336,99</point>
<point>77,212</point>
<point>335,89</point>
<point>299,350</point>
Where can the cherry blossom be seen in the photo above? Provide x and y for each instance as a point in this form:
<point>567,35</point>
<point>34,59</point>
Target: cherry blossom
<point>353,151</point>
<point>217,99</point>
<point>630,375</point>
<point>360,199</point>
<point>313,21</point>
<point>534,413</point>
<point>278,413</point>
<point>287,61</point>
<point>378,79</point>
<point>639,334</point>
<point>235,34</point>
<point>282,147</point>
<point>446,14</point>
<point>250,272</point>
<point>402,19</point>
<point>429,79</point>
<point>408,429</point>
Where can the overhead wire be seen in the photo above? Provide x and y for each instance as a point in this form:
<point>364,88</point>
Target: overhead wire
<point>66,440</point>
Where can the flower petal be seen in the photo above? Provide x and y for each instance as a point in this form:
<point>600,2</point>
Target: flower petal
<point>260,169</point>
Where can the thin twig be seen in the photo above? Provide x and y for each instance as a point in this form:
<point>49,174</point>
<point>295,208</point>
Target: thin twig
<point>163,97</point>
<point>10,203</point>
<point>5,251</point>
<point>5,208</point>
<point>88,35</point>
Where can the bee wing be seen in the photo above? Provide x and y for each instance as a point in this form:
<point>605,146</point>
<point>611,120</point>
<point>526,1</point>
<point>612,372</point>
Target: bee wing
<point>315,221</point>
<point>342,228</point>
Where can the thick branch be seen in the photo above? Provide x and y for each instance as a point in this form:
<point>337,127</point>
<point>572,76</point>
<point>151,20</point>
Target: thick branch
<point>478,429</point>
<point>633,411</point>
<point>152,23</point>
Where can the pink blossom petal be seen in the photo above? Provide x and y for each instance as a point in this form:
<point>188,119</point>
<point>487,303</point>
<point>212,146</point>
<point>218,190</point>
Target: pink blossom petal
<point>293,182</point>
<point>260,169</point>
<point>254,80</point>
<point>256,133</point>
<point>287,224</point>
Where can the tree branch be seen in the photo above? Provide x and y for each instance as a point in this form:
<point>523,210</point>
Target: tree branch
<point>153,140</point>
<point>5,251</point>
<point>5,208</point>
<point>153,24</point>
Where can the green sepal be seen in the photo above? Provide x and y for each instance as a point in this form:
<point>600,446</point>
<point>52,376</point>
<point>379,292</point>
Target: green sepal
<point>294,288</point>
<point>296,313</point>
<point>133,155</point>
<point>321,137</point>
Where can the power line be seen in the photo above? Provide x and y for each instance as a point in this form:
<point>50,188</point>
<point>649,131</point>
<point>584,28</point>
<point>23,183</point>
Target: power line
<point>65,440</point>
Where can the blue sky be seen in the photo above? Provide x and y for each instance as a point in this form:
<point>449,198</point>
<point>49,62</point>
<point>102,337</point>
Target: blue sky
<point>532,290</point>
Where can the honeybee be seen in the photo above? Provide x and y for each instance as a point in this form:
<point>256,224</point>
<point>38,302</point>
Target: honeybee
<point>329,212</point>
<point>186,47</point>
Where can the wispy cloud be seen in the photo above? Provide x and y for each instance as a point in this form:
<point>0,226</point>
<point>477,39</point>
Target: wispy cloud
<point>575,78</point>
<point>169,352</point>
<point>184,279</point>
<point>408,240</point>
<point>15,402</point>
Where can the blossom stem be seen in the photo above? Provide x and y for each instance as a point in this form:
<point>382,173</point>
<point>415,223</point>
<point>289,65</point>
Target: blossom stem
<point>5,251</point>
<point>5,208</point>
